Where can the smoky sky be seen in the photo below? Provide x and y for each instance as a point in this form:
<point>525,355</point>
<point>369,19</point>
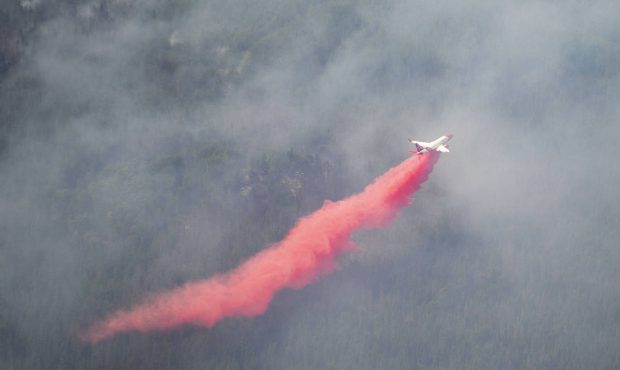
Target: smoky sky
<point>131,132</point>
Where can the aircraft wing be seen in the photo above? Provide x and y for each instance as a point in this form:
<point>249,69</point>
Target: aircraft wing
<point>443,149</point>
<point>421,143</point>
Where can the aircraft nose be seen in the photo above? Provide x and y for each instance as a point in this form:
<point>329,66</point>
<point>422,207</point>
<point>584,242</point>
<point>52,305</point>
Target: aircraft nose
<point>449,136</point>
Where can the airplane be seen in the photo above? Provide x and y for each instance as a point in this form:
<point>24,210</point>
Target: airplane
<point>438,145</point>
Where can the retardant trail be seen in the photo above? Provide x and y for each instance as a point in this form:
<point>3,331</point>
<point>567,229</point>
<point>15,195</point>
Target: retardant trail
<point>307,251</point>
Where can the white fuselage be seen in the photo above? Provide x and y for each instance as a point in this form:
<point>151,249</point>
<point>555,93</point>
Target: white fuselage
<point>438,144</point>
<point>441,141</point>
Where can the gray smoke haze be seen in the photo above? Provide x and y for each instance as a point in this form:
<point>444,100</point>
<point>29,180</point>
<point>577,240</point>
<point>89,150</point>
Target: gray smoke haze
<point>148,143</point>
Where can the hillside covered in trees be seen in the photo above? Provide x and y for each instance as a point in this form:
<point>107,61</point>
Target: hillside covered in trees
<point>145,144</point>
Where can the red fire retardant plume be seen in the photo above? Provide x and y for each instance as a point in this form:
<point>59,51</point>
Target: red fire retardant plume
<point>307,251</point>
